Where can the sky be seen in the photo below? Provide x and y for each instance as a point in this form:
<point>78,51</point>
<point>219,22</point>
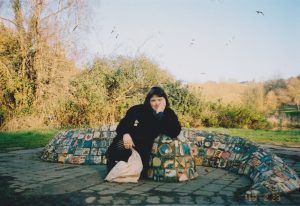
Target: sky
<point>201,40</point>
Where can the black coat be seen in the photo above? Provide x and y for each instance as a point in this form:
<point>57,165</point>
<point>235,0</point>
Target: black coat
<point>144,125</point>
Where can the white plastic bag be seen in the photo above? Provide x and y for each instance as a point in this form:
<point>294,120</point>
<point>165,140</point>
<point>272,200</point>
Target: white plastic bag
<point>126,171</point>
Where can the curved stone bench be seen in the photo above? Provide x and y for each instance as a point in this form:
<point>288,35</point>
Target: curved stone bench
<point>80,146</point>
<point>267,171</point>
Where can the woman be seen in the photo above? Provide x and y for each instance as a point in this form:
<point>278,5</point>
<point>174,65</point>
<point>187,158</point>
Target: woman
<point>140,126</point>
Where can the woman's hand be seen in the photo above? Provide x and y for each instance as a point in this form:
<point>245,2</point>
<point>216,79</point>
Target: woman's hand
<point>161,106</point>
<point>127,140</point>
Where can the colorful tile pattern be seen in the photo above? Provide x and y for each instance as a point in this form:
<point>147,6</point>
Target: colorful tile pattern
<point>80,146</point>
<point>171,160</point>
<point>267,171</point>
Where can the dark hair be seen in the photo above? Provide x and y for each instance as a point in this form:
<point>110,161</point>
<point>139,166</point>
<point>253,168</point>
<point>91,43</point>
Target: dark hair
<point>158,91</point>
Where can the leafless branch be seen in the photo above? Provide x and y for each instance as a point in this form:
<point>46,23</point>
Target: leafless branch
<point>8,20</point>
<point>55,13</point>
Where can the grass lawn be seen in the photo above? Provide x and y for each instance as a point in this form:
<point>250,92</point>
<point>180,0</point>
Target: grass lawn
<point>40,137</point>
<point>26,139</point>
<point>285,138</point>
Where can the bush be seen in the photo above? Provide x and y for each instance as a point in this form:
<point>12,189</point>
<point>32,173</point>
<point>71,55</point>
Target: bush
<point>3,115</point>
<point>241,117</point>
<point>103,93</point>
<point>232,116</point>
<point>186,105</point>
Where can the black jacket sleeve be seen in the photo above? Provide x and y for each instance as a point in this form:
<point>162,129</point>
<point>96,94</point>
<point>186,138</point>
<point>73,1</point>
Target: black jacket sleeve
<point>126,123</point>
<point>169,123</point>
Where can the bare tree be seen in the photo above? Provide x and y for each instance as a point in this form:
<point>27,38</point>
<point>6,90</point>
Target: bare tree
<point>43,30</point>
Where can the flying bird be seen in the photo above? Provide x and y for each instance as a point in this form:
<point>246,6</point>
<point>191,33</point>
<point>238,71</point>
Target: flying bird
<point>75,27</point>
<point>192,42</point>
<point>230,40</point>
<point>260,12</point>
<point>113,30</point>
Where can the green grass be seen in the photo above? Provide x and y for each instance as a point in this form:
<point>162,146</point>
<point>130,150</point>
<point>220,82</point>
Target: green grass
<point>285,138</point>
<point>40,137</point>
<point>26,139</point>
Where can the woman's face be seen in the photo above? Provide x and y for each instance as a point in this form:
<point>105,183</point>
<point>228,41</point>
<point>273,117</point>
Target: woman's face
<point>157,101</point>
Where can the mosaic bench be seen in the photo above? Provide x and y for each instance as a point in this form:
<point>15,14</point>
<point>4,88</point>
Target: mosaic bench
<point>270,175</point>
<point>194,147</point>
<point>171,160</point>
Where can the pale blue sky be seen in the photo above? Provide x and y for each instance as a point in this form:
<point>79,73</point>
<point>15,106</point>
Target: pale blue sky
<point>199,40</point>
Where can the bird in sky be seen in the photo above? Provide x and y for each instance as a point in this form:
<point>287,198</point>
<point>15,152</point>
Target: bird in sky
<point>192,42</point>
<point>113,30</point>
<point>230,40</point>
<point>75,27</point>
<point>260,12</point>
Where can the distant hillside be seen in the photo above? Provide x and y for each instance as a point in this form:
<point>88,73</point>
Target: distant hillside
<point>227,92</point>
<point>278,100</point>
<point>265,96</point>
